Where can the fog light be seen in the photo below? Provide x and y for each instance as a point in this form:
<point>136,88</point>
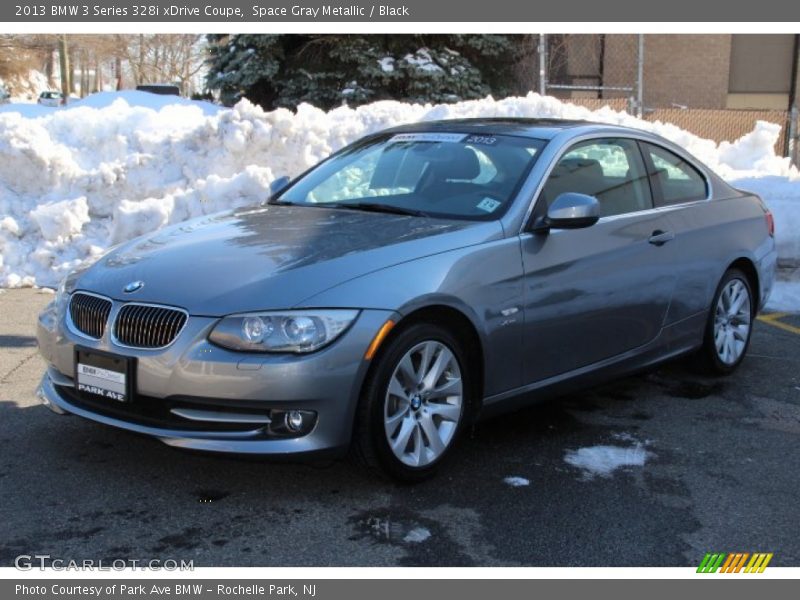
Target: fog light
<point>294,421</point>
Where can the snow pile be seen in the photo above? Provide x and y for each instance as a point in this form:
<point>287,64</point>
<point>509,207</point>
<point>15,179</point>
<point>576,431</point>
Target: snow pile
<point>602,461</point>
<point>63,219</point>
<point>76,179</point>
<point>785,296</point>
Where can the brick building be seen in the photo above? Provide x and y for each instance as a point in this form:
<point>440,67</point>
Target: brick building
<point>696,71</point>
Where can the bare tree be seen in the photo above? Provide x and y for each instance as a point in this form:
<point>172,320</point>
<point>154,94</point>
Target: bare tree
<point>63,56</point>
<point>87,62</point>
<point>163,58</point>
<point>21,53</point>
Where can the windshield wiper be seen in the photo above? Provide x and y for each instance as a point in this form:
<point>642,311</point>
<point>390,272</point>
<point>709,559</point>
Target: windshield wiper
<point>277,202</point>
<point>378,207</point>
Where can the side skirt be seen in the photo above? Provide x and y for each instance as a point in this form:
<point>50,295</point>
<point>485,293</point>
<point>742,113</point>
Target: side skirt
<point>675,340</point>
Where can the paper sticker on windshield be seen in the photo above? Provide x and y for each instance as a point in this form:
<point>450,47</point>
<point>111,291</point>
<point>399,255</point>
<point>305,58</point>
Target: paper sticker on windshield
<point>488,205</point>
<point>427,137</point>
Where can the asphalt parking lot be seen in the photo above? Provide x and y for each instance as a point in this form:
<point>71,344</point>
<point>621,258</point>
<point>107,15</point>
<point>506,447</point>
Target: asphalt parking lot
<point>722,458</point>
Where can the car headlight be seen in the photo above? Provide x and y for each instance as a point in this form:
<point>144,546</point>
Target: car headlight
<point>297,331</point>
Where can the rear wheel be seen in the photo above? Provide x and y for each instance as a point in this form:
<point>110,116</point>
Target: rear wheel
<point>730,325</point>
<point>414,403</point>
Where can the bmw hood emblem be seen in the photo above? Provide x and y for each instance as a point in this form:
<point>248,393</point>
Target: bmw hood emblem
<point>133,286</point>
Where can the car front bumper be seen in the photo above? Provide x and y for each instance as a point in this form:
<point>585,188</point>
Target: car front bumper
<point>208,379</point>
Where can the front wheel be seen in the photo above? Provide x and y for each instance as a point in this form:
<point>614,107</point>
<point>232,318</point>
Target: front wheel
<point>414,403</point>
<point>730,325</point>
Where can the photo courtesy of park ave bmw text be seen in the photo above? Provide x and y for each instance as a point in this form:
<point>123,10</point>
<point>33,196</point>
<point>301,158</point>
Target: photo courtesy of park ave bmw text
<point>301,299</point>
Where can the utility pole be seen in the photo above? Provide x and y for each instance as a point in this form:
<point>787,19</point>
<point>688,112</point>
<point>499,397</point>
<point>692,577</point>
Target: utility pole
<point>793,130</point>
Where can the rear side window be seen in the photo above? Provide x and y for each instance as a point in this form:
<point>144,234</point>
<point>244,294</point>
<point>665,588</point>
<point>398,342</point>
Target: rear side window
<point>674,180</point>
<point>611,170</point>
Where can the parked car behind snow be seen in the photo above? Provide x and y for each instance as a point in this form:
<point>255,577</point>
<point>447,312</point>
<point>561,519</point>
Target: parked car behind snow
<point>164,89</point>
<point>50,98</point>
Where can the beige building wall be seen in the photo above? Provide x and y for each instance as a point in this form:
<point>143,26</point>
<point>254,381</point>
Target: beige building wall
<point>761,71</point>
<point>714,71</point>
<point>687,70</point>
<point>758,101</point>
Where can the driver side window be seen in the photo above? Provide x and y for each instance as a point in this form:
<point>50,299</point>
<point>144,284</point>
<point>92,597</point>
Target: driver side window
<point>611,170</point>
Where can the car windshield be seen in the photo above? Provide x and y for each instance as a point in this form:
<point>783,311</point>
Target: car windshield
<point>449,175</point>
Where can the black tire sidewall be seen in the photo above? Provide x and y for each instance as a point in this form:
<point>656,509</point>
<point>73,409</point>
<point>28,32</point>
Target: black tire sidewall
<point>709,347</point>
<point>375,397</point>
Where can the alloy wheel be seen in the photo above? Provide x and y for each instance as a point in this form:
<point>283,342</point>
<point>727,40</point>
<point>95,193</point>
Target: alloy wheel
<point>423,404</point>
<point>732,321</point>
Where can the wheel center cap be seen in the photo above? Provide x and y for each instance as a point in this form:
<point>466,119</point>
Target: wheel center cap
<point>416,401</point>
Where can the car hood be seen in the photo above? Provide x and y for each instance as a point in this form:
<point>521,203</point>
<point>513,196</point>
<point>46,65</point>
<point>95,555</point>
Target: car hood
<point>269,257</point>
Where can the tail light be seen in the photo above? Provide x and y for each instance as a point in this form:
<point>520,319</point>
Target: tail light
<point>770,223</point>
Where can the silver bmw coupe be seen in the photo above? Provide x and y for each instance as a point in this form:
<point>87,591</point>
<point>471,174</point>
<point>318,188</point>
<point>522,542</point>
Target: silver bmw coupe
<point>419,279</point>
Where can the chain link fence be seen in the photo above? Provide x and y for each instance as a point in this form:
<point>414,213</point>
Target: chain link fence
<point>596,70</point>
<point>724,124</point>
<point>592,67</point>
<point>617,104</point>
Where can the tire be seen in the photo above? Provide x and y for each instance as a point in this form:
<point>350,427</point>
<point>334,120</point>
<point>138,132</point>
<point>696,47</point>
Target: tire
<point>729,329</point>
<point>429,417</point>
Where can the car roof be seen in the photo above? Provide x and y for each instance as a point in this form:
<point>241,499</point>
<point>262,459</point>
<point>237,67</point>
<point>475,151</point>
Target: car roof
<point>534,128</point>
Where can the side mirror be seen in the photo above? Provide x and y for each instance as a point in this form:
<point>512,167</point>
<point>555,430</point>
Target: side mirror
<point>572,211</point>
<point>278,185</point>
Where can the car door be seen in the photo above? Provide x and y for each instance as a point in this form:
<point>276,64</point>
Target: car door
<point>602,291</point>
<point>700,227</point>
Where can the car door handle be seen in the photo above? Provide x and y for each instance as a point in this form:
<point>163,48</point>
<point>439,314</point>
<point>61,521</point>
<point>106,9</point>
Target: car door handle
<point>659,238</point>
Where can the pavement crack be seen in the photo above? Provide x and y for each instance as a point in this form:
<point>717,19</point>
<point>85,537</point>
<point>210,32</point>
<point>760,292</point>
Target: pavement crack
<point>18,366</point>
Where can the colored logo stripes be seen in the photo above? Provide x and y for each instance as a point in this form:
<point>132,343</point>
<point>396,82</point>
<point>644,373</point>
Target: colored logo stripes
<point>734,562</point>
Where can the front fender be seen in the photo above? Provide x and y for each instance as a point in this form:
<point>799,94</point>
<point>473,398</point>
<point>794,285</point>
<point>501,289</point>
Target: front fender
<point>483,282</point>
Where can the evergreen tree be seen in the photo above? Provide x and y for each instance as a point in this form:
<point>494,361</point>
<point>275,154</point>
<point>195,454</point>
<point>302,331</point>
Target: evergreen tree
<point>331,70</point>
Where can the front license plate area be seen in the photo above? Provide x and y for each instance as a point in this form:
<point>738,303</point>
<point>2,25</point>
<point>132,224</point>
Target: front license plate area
<point>103,375</point>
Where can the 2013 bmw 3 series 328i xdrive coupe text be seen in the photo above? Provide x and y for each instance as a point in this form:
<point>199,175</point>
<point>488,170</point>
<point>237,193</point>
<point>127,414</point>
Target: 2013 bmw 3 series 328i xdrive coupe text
<point>414,281</point>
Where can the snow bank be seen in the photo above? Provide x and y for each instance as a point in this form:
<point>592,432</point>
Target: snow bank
<point>76,179</point>
<point>785,297</point>
<point>131,98</point>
